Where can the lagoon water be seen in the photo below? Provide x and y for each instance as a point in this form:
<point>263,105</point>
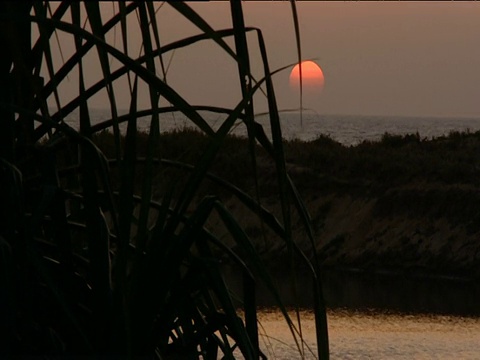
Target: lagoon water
<point>377,336</point>
<point>377,316</point>
<point>346,129</point>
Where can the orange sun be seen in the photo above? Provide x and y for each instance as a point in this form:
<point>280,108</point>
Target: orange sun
<point>313,80</point>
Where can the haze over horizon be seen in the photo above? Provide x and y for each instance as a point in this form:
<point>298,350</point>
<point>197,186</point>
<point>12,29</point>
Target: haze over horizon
<point>378,58</point>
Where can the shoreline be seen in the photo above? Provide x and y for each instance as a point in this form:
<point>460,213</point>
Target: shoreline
<point>403,205</point>
<point>367,292</point>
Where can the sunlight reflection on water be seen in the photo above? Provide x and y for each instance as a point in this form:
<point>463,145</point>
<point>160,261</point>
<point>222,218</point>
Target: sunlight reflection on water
<point>356,335</point>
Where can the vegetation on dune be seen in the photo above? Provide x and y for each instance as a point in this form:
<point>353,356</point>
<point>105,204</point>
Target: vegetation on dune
<point>101,254</point>
<point>392,161</point>
<point>402,203</point>
<point>417,198</point>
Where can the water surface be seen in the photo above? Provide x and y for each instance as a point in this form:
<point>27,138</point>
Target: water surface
<point>375,335</point>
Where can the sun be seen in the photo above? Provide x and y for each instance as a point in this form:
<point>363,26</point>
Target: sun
<point>313,79</point>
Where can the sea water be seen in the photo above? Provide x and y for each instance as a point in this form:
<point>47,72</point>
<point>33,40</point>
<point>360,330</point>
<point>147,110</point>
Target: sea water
<point>346,129</point>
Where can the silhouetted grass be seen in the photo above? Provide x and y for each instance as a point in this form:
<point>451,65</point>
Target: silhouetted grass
<point>104,240</point>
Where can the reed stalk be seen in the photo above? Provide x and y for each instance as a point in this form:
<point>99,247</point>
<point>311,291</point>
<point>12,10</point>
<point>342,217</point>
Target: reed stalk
<point>93,266</point>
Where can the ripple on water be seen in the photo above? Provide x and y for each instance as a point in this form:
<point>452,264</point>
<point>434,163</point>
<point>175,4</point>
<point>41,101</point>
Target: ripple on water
<point>373,335</point>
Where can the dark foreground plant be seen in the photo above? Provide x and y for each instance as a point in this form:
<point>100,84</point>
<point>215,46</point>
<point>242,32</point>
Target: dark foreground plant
<point>93,267</point>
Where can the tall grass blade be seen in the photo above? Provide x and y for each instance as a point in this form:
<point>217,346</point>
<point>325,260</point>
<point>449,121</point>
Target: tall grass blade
<point>320,311</point>
<point>245,84</point>
<point>196,19</point>
<point>280,162</point>
<point>41,11</point>
<point>207,157</point>
<point>37,49</point>
<point>128,168</point>
<point>153,138</point>
<point>58,213</point>
<point>164,293</point>
<point>164,90</point>
<point>156,34</point>
<point>85,123</point>
<point>250,307</point>
<point>249,349</point>
<point>98,237</point>
<point>95,18</point>
<point>299,54</point>
<point>7,299</point>
<point>38,265</point>
<point>158,274</point>
<point>123,23</point>
<point>242,239</point>
<point>73,104</point>
<point>65,69</point>
<point>125,216</point>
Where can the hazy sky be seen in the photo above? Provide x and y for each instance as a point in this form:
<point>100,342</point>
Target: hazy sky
<point>379,58</point>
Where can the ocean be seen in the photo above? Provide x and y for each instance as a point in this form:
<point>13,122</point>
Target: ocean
<point>346,129</point>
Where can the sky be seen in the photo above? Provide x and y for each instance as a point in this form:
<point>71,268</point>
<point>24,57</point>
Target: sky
<point>378,58</point>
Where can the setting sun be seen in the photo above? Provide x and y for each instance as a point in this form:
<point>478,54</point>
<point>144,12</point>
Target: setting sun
<point>312,76</point>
